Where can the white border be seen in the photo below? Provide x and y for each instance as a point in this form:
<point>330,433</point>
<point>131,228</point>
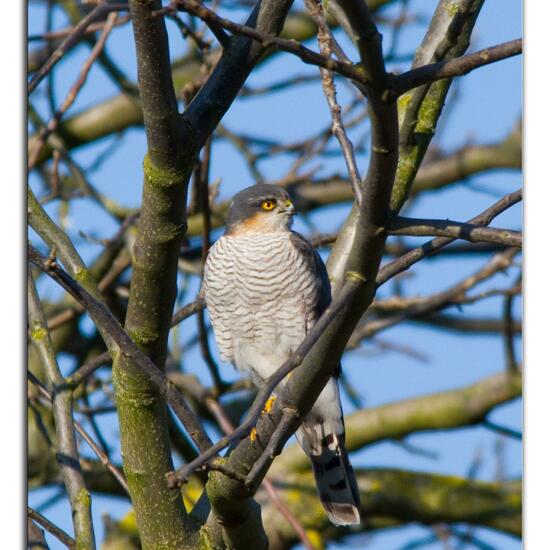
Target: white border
<point>537,254</point>
<point>12,297</point>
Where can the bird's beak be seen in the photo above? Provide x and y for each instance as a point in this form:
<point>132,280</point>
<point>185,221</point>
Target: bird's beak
<point>288,207</point>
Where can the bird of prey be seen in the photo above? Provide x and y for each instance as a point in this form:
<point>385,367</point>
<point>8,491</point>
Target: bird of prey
<point>265,286</point>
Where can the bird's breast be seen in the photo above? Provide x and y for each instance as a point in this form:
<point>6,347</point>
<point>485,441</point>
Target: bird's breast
<point>260,291</point>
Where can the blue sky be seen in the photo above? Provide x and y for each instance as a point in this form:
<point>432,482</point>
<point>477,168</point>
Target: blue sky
<point>489,104</point>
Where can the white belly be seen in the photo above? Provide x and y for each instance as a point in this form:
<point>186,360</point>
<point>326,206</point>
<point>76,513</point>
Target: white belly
<point>262,300</point>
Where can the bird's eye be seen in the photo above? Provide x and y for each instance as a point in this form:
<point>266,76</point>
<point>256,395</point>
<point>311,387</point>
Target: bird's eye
<point>268,205</point>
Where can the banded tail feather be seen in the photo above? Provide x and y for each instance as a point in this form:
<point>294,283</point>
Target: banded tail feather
<point>336,483</point>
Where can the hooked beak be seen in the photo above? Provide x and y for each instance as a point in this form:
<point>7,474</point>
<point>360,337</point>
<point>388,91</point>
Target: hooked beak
<point>287,207</point>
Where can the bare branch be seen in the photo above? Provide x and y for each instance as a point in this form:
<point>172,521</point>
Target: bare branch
<point>407,260</point>
<point>447,228</point>
<point>455,67</point>
<point>329,89</point>
<point>68,541</point>
<point>67,454</point>
<point>126,347</point>
<point>268,41</point>
<point>72,39</point>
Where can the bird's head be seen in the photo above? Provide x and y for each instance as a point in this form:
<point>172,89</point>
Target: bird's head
<point>261,208</point>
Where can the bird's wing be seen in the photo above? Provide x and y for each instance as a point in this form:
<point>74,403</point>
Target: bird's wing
<point>317,267</point>
<point>322,434</point>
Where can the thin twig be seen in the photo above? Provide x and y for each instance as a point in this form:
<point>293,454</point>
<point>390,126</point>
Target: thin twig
<point>90,416</point>
<point>455,67</point>
<point>187,310</point>
<point>56,531</point>
<point>504,430</point>
<point>62,407</point>
<point>329,89</point>
<point>63,33</point>
<point>403,263</point>
<point>119,476</point>
<point>186,31</point>
<point>73,92</point>
<point>103,318</point>
<point>418,227</point>
<point>202,177</point>
<point>73,38</point>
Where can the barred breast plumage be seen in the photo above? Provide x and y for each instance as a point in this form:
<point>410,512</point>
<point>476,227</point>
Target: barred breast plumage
<point>261,295</point>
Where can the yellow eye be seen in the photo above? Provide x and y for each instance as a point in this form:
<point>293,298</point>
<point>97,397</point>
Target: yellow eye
<point>268,205</point>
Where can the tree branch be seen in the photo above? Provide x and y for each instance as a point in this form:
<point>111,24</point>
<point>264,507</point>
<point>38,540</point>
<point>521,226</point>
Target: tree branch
<point>68,541</point>
<point>447,38</point>
<point>72,39</point>
<point>391,497</point>
<point>142,413</point>
<point>454,67</point>
<point>410,258</point>
<point>470,325</point>
<point>417,227</point>
<point>67,452</point>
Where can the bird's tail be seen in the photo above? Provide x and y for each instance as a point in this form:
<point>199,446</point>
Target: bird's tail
<point>334,475</point>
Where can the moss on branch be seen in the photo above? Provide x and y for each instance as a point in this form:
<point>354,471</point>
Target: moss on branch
<point>389,498</point>
<point>394,497</point>
<point>448,37</point>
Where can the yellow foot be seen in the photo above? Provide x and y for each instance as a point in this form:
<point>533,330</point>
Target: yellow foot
<point>267,407</point>
<point>269,404</point>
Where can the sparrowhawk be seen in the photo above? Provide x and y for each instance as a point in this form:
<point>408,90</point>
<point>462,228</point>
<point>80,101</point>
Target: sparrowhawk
<point>265,286</point>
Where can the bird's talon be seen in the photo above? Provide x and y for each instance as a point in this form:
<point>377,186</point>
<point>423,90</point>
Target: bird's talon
<point>269,404</point>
